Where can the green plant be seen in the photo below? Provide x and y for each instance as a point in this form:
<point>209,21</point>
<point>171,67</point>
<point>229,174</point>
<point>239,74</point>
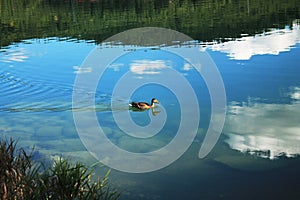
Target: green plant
<point>74,182</point>
<point>15,169</point>
<point>20,178</point>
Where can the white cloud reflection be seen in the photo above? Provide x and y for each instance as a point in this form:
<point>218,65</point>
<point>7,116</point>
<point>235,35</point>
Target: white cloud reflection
<point>82,70</point>
<point>116,66</point>
<point>15,55</point>
<point>296,95</point>
<point>142,67</point>
<point>267,130</point>
<point>272,42</point>
<point>187,67</point>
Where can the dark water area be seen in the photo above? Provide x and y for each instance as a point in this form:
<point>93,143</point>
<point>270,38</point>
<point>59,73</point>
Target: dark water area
<point>45,45</point>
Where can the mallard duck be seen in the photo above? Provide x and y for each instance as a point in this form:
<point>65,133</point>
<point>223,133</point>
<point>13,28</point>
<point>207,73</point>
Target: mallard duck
<point>143,105</point>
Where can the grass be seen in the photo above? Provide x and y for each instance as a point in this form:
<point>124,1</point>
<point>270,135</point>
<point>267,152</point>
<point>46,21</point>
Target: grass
<point>22,179</point>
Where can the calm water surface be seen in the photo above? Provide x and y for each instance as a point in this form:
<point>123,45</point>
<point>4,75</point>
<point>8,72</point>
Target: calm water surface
<point>257,155</point>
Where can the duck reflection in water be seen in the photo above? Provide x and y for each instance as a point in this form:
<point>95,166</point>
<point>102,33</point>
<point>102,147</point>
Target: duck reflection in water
<point>142,106</point>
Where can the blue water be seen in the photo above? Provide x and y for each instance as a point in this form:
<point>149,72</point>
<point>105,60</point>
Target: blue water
<point>257,151</point>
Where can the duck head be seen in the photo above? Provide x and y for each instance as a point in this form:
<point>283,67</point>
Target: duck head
<point>154,100</point>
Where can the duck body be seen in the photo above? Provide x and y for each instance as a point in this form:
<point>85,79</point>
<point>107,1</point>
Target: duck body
<point>144,105</point>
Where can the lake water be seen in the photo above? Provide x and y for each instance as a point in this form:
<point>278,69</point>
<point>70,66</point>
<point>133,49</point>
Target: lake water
<point>255,47</point>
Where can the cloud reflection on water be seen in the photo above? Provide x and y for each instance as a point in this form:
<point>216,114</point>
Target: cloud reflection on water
<point>270,42</point>
<point>147,66</point>
<point>266,130</point>
<point>81,70</point>
<point>14,55</point>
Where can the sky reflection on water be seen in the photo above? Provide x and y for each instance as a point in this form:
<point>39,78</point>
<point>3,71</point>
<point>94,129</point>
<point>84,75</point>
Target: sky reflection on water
<point>267,130</point>
<point>267,126</point>
<point>249,125</point>
<point>261,75</point>
<point>273,42</point>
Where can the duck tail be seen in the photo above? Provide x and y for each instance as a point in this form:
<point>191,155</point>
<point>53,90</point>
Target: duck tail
<point>130,104</point>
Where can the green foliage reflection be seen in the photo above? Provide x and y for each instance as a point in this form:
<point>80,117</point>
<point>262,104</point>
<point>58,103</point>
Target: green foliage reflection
<point>97,20</point>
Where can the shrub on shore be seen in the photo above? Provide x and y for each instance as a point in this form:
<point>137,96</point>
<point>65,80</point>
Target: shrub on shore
<point>21,178</point>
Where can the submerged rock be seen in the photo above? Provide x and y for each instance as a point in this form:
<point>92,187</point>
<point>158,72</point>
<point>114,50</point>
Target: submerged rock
<point>140,145</point>
<point>49,132</point>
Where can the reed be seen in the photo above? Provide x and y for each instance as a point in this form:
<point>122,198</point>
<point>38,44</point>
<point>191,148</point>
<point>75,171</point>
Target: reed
<point>22,178</point>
